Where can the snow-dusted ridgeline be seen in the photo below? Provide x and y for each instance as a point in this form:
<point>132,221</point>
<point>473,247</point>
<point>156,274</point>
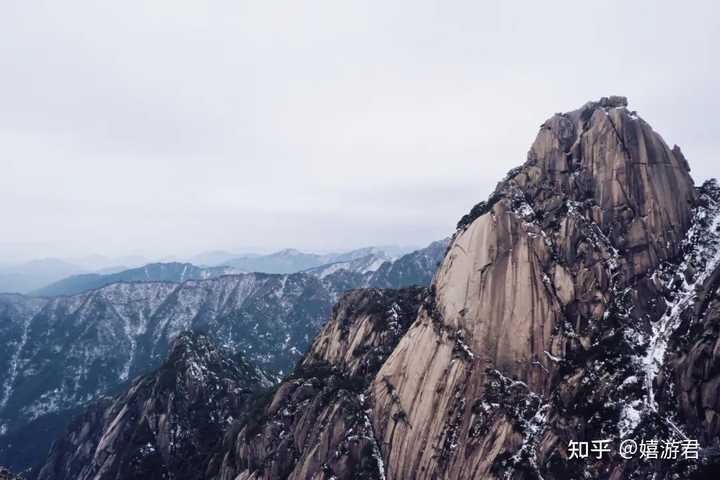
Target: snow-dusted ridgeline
<point>71,349</point>
<point>700,260</point>
<point>703,247</point>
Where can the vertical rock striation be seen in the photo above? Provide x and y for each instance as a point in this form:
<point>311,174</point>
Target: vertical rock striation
<point>317,424</point>
<point>538,306</point>
<point>578,303</point>
<point>60,353</point>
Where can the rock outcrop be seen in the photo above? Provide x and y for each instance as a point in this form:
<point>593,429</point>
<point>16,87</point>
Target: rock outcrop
<point>549,278</point>
<point>556,316</point>
<point>578,303</point>
<point>166,424</point>
<point>60,353</point>
<point>317,425</point>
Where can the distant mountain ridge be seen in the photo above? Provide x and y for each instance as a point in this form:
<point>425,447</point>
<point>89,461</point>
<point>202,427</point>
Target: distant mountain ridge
<point>28,276</point>
<point>59,353</point>
<point>579,305</point>
<point>291,260</point>
<point>154,272</point>
<point>415,268</point>
<point>361,261</point>
<point>62,352</point>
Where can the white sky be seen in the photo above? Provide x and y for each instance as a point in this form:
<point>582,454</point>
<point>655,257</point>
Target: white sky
<point>172,127</point>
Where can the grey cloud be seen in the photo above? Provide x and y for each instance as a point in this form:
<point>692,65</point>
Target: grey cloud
<point>175,126</point>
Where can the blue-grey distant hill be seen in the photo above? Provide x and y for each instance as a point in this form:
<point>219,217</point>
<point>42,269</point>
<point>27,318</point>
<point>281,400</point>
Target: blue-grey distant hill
<point>61,351</point>
<point>293,261</point>
<point>153,272</point>
<point>28,276</point>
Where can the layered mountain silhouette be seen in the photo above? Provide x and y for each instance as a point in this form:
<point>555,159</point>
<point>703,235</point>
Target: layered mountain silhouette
<point>61,353</point>
<point>168,421</point>
<point>357,265</point>
<point>29,276</point>
<point>292,261</point>
<point>578,303</point>
<point>153,272</point>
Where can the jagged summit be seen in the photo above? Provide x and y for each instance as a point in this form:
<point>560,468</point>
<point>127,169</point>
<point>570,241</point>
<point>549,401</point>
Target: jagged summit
<point>613,101</point>
<point>547,280</point>
<point>603,157</point>
<point>190,349</point>
<point>166,424</point>
<point>317,424</point>
<point>533,331</point>
<point>579,303</point>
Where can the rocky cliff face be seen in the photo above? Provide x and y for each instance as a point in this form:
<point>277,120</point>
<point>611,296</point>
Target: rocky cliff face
<point>63,352</point>
<point>166,424</point>
<point>577,304</point>
<point>545,308</point>
<point>317,424</point>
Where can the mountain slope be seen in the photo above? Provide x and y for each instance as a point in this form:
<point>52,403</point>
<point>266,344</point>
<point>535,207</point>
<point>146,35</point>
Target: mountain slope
<point>61,353</point>
<point>284,261</point>
<point>153,272</point>
<point>363,262</point>
<point>169,423</point>
<point>579,303</point>
<point>415,268</point>
<point>166,424</point>
<point>549,289</point>
<point>361,265</point>
<point>316,424</point>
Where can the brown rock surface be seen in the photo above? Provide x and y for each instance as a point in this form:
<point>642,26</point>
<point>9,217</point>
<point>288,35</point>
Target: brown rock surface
<point>579,303</point>
<point>525,287</point>
<point>533,334</point>
<point>317,424</point>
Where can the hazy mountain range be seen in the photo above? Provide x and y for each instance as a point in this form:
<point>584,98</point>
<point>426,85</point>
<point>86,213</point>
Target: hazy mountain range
<point>49,276</point>
<point>579,302</point>
<point>101,331</point>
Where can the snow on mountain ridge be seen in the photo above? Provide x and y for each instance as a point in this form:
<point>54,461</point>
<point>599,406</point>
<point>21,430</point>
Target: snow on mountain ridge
<point>67,350</point>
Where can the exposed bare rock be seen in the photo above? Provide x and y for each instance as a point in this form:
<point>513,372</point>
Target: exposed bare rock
<point>545,324</point>
<point>696,370</point>
<point>549,321</point>
<point>60,353</point>
<point>165,425</point>
<point>536,287</point>
<point>578,303</point>
<point>317,423</point>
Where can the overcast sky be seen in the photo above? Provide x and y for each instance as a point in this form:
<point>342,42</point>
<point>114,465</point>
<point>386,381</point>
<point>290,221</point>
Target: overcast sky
<point>173,127</point>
